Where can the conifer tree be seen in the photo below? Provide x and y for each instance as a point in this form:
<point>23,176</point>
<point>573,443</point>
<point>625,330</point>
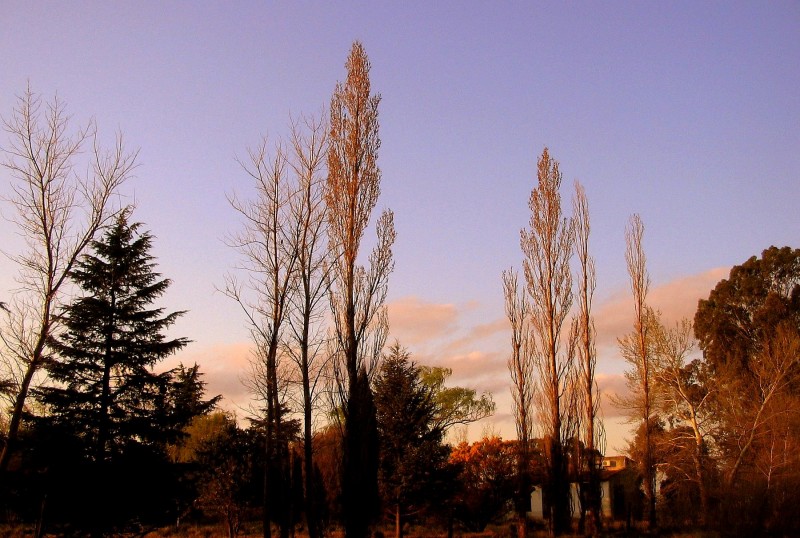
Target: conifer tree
<point>412,455</point>
<point>105,388</point>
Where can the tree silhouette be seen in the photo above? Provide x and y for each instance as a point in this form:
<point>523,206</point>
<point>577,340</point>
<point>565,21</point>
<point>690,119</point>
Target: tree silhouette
<point>411,450</point>
<point>357,292</point>
<point>105,388</point>
<point>58,210</point>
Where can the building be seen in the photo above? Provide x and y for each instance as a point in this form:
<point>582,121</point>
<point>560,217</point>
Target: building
<point>619,489</point>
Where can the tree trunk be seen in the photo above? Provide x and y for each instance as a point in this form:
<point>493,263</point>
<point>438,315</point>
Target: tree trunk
<point>16,416</point>
<point>398,522</point>
<point>702,519</point>
<point>19,402</point>
<point>40,521</point>
<point>523,499</point>
<point>312,520</point>
<point>268,451</point>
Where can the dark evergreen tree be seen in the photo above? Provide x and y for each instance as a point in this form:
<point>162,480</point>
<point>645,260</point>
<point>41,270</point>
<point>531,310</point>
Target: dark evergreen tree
<point>412,457</point>
<point>184,399</point>
<point>105,388</point>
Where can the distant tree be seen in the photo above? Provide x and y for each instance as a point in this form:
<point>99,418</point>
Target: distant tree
<point>105,388</point>
<point>486,483</point>
<point>411,451</point>
<point>583,334</point>
<point>185,396</point>
<point>638,349</point>
<point>328,463</point>
<point>357,292</point>
<point>453,405</point>
<point>197,432</point>
<point>58,209</point>
<point>227,481</point>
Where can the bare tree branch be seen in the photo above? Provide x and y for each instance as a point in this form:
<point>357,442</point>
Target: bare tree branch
<point>58,212</point>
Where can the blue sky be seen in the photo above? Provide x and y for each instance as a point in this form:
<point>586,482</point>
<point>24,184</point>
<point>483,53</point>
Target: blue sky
<point>685,112</point>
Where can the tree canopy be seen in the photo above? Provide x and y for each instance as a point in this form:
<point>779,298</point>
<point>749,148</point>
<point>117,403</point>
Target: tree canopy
<point>745,310</point>
<point>454,405</point>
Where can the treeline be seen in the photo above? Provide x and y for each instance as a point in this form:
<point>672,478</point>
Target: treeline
<point>715,399</point>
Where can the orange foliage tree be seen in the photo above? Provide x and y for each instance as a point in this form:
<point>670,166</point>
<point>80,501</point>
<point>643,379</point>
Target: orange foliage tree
<point>486,481</point>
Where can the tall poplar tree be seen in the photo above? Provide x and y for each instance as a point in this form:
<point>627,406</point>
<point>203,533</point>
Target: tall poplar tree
<point>105,389</point>
<point>523,392</point>
<point>583,334</point>
<point>638,349</point>
<point>547,248</point>
<point>357,292</point>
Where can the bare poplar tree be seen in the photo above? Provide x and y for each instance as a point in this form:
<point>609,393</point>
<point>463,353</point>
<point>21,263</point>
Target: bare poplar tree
<point>306,341</point>
<point>522,390</point>
<point>584,336</point>
<point>357,292</point>
<point>268,244</point>
<point>547,249</point>
<point>59,209</point>
<point>637,348</point>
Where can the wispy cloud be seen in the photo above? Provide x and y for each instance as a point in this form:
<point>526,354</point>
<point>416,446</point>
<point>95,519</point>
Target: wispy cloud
<point>480,334</point>
<point>439,335</point>
<point>223,367</point>
<point>446,334</point>
<point>413,321</point>
<point>675,300</point>
<point>611,386</point>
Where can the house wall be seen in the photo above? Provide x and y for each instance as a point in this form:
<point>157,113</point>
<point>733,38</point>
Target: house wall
<point>537,510</point>
<point>605,499</point>
<point>621,481</point>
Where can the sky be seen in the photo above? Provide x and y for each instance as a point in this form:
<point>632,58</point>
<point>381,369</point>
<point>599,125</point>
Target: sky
<point>687,113</point>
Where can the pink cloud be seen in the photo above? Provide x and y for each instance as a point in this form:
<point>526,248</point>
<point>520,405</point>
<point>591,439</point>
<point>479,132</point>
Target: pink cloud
<point>445,335</point>
<point>223,367</point>
<point>675,300</point>
<point>480,333</point>
<point>413,321</point>
<point>678,299</point>
<point>610,386</point>
<point>477,366</point>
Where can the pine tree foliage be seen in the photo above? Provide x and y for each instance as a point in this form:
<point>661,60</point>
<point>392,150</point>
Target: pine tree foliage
<point>411,452</point>
<point>105,387</point>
